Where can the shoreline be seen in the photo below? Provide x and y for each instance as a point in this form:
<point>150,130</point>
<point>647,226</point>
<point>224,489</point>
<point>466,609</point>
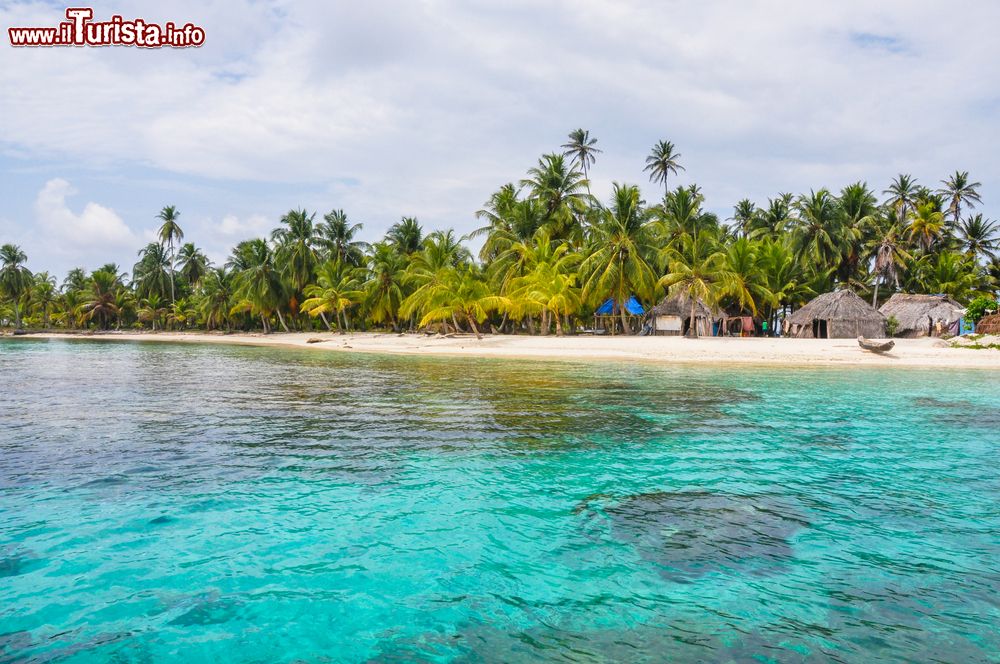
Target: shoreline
<point>925,352</point>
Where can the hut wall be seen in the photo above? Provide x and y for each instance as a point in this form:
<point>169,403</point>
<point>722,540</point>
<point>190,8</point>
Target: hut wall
<point>669,325</point>
<point>850,329</point>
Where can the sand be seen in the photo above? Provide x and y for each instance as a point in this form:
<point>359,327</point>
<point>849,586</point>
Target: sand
<point>712,350</point>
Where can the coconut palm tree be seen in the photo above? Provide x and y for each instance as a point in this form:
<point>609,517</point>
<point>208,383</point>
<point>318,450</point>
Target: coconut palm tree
<point>561,190</point>
<point>622,255</point>
<point>581,148</point>
<point>153,274</point>
<point>902,195</point>
<point>661,162</point>
<point>456,293</point>
<point>818,232</point>
<point>216,297</point>
<point>194,264</point>
<point>337,238</point>
<point>385,288</point>
<point>959,191</point>
<point>15,278</point>
<point>44,295</point>
<point>887,246</point>
<point>100,302</point>
<point>337,289</point>
<point>152,310</point>
<point>978,236</point>
<point>406,235</point>
<point>697,267</point>
<point>744,214</point>
<point>169,233</point>
<point>926,225</point>
<point>259,281</point>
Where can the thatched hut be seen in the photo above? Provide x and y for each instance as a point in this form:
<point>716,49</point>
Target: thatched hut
<point>837,315</point>
<point>922,315</point>
<point>989,325</point>
<point>672,316</point>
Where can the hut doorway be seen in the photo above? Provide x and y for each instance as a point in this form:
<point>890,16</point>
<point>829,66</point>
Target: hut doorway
<point>819,329</point>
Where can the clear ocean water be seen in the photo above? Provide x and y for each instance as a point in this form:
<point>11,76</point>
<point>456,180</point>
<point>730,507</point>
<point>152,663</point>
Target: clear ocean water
<point>189,503</point>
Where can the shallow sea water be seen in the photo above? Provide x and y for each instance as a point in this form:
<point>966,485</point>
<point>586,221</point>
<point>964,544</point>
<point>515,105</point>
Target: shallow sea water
<point>201,503</point>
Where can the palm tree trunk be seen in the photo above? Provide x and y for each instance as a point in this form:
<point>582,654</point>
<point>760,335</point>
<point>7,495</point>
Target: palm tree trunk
<point>559,328</point>
<point>17,316</point>
<point>281,319</point>
<point>875,296</point>
<point>475,328</point>
<point>693,326</point>
<point>326,321</point>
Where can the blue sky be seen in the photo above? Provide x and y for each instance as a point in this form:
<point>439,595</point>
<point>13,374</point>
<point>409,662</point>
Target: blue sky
<point>424,108</point>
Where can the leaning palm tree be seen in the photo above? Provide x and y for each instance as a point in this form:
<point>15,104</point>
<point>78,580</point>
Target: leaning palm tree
<point>44,295</point>
<point>661,162</point>
<point>169,233</point>
<point>959,191</point>
<point>337,289</point>
<point>581,148</point>
<point>15,278</point>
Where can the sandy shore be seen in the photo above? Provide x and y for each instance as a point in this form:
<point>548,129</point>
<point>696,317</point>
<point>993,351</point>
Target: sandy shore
<point>800,352</point>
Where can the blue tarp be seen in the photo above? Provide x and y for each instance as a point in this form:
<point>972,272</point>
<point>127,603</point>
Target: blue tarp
<point>611,307</point>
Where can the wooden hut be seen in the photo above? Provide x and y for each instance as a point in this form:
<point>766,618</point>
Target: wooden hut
<point>672,316</point>
<point>989,325</point>
<point>837,315</point>
<point>922,315</point>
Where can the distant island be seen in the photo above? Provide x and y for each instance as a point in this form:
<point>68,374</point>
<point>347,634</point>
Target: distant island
<point>554,260</point>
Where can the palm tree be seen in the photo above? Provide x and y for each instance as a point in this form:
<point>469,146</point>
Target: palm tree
<point>193,264</point>
<point>406,235</point>
<point>337,288</point>
<point>744,214</point>
<point>859,206</point>
<point>661,162</point>
<point>456,292</point>
<point>152,310</point>
<point>216,297</point>
<point>581,148</point>
<point>15,278</point>
<point>979,236</point>
<point>698,269</point>
<point>170,233</point>
<point>819,231</point>
<point>337,238</point>
<point>101,300</point>
<point>44,295</point>
<point>903,193</point>
<point>950,273</point>
<point>385,286</point>
<point>152,275</point>
<point>560,189</point>
<point>259,282</point>
<point>959,191</point>
<point>889,254</point>
<point>927,224</point>
<point>620,261</point>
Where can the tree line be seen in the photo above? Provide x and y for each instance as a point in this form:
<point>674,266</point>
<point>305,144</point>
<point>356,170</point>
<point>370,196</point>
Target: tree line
<point>551,253</point>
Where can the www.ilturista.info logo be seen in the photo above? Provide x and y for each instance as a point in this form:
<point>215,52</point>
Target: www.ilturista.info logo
<point>80,30</point>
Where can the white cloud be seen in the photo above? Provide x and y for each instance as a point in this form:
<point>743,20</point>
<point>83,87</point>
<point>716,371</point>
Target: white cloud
<point>95,226</point>
<point>427,107</point>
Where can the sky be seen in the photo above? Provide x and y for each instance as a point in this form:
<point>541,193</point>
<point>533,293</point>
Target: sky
<point>425,107</point>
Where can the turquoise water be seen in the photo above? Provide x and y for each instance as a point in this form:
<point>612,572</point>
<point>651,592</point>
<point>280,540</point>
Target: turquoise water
<point>193,503</point>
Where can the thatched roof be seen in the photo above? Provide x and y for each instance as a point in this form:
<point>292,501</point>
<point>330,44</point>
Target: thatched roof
<point>839,305</point>
<point>989,325</point>
<point>912,311</point>
<point>680,305</point>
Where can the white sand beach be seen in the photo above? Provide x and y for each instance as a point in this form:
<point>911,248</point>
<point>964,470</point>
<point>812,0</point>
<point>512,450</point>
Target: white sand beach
<point>710,350</point>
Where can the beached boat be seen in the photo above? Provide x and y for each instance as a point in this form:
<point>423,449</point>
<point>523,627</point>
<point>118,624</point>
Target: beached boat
<point>876,346</point>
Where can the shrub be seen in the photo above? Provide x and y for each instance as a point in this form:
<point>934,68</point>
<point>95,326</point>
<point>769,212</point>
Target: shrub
<point>979,307</point>
<point>891,325</point>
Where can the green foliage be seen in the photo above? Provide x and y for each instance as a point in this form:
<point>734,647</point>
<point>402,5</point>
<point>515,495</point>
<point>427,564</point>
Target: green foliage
<point>891,326</point>
<point>981,306</point>
<point>550,253</point>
